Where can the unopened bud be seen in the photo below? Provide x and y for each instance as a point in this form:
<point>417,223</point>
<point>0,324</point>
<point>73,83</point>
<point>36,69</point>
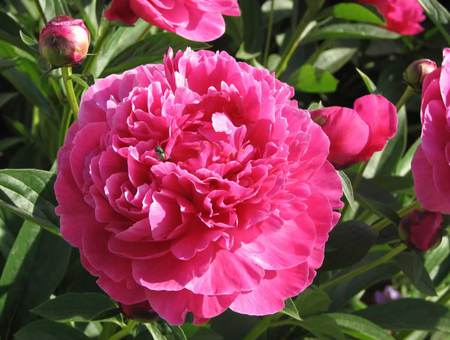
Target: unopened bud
<point>421,230</point>
<point>64,41</point>
<point>417,70</point>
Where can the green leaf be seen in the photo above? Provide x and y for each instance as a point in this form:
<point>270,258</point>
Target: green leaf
<point>355,12</point>
<point>312,80</point>
<point>348,190</point>
<point>323,327</point>
<point>35,266</point>
<point>412,265</point>
<point>165,332</point>
<point>359,328</point>
<point>312,301</point>
<point>409,314</point>
<point>436,11</point>
<point>351,31</point>
<point>349,242</point>
<point>290,309</point>
<point>27,40</point>
<point>334,59</point>
<point>396,147</point>
<point>29,193</point>
<point>48,330</point>
<point>404,165</point>
<point>75,307</point>
<point>370,85</point>
<point>150,50</point>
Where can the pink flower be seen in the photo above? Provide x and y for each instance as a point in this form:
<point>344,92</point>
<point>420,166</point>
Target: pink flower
<point>431,163</point>
<point>64,41</point>
<point>356,134</point>
<point>388,294</point>
<point>422,229</point>
<point>401,16</point>
<point>198,20</point>
<point>197,185</point>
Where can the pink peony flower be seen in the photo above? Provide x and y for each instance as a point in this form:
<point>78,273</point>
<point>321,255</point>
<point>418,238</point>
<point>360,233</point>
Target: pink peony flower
<point>401,16</point>
<point>64,41</point>
<point>356,134</point>
<point>197,185</point>
<point>198,20</point>
<point>422,229</point>
<point>431,163</point>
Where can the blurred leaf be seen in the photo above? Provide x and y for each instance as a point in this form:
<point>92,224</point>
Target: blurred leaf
<point>252,25</point>
<point>404,164</point>
<point>349,242</point>
<point>323,327</point>
<point>35,266</point>
<point>355,12</point>
<point>359,328</point>
<point>290,309</point>
<point>348,189</point>
<point>27,40</point>
<point>412,265</point>
<point>409,314</point>
<point>312,80</point>
<point>150,50</point>
<point>10,32</point>
<point>165,332</point>
<point>49,330</point>
<point>437,12</point>
<point>370,85</point>
<point>6,97</point>
<point>351,31</point>
<point>30,191</point>
<point>333,59</point>
<point>75,307</point>
<point>6,143</point>
<point>312,301</point>
<point>396,146</point>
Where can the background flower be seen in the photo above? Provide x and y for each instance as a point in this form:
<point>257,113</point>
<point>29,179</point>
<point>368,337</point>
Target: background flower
<point>197,185</point>
<point>198,20</point>
<point>430,166</point>
<point>422,229</point>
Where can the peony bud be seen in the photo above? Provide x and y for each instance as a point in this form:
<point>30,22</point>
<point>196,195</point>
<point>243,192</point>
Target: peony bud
<point>356,134</point>
<point>422,230</point>
<point>388,294</point>
<point>64,41</point>
<point>139,311</point>
<point>417,70</point>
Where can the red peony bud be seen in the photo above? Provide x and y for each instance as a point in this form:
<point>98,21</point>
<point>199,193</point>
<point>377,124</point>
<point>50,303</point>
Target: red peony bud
<point>422,230</point>
<point>417,70</point>
<point>64,41</point>
<point>139,311</point>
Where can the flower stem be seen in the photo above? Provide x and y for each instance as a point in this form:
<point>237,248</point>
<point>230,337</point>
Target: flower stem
<point>269,33</point>
<point>124,331</point>
<point>360,270</point>
<point>70,92</point>
<point>409,92</point>
<point>305,26</point>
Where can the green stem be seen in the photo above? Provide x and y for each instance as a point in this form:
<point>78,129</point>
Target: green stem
<point>70,92</point>
<point>269,33</point>
<point>41,11</point>
<point>409,92</point>
<point>124,331</point>
<point>380,225</point>
<point>305,26</point>
<point>360,270</point>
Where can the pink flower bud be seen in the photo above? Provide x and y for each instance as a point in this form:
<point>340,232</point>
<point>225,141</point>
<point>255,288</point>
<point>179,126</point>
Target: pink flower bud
<point>356,134</point>
<point>417,70</point>
<point>422,230</point>
<point>64,41</point>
